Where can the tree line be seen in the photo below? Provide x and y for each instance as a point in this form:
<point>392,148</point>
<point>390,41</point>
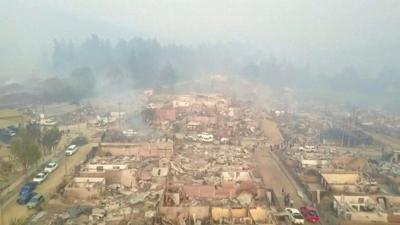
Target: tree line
<point>79,84</point>
<point>32,142</point>
<point>147,63</point>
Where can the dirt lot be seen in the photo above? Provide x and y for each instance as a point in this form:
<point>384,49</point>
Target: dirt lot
<point>58,109</point>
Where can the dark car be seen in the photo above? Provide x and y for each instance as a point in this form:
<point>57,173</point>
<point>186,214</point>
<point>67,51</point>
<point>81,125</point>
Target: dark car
<point>28,187</point>
<point>24,198</point>
<point>35,201</point>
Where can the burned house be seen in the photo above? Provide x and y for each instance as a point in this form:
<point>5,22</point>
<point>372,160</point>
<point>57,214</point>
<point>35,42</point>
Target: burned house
<point>367,209</point>
<point>162,148</point>
<point>342,181</point>
<point>84,189</point>
<point>214,183</point>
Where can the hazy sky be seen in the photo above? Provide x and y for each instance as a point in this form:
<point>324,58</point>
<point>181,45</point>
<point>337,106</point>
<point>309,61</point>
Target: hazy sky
<point>328,32</point>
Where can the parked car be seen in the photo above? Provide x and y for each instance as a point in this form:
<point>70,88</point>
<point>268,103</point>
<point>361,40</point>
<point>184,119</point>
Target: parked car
<point>50,167</point>
<point>71,150</point>
<point>295,216</point>
<point>310,213</point>
<point>205,137</point>
<point>35,201</point>
<point>24,198</point>
<point>40,177</point>
<point>129,132</point>
<point>28,187</point>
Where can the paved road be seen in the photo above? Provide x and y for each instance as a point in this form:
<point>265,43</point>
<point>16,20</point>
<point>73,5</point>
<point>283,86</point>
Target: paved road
<point>48,187</point>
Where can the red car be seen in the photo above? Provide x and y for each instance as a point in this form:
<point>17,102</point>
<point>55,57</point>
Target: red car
<point>309,213</point>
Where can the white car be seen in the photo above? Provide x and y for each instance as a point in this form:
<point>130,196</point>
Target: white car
<point>71,150</point>
<point>129,132</point>
<point>224,140</point>
<point>295,216</point>
<point>205,137</point>
<point>40,177</point>
<point>50,167</point>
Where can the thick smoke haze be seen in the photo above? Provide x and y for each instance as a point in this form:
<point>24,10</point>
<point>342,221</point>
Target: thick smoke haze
<point>334,33</point>
<point>302,44</point>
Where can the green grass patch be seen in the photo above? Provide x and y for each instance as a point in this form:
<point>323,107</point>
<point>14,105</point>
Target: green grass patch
<point>9,117</point>
<point>6,123</point>
<point>9,113</point>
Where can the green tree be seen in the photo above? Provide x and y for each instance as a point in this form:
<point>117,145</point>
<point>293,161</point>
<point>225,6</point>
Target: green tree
<point>50,138</point>
<point>34,130</point>
<point>25,148</point>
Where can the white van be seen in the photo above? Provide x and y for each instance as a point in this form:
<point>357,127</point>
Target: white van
<point>71,150</point>
<point>206,137</point>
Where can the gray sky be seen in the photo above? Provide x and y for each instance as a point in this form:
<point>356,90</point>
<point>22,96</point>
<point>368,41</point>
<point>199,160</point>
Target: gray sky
<point>325,33</point>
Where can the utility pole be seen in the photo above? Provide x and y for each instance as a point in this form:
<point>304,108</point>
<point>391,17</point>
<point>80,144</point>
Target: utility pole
<point>1,211</point>
<point>348,122</point>
<point>119,115</point>
<point>343,131</point>
<point>66,166</point>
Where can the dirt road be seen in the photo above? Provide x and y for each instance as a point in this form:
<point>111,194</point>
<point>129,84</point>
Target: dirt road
<point>273,172</point>
<point>48,187</point>
<point>275,178</point>
<point>272,132</point>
